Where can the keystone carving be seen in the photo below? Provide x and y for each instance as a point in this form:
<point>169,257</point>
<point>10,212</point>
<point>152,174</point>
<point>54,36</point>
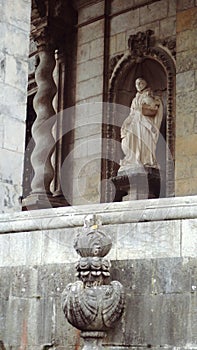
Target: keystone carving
<point>93,304</point>
<point>140,43</point>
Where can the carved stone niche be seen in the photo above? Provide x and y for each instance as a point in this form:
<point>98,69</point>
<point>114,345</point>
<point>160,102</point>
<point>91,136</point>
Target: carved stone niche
<point>152,60</point>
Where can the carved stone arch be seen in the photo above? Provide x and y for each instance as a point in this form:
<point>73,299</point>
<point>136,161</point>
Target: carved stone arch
<point>155,63</point>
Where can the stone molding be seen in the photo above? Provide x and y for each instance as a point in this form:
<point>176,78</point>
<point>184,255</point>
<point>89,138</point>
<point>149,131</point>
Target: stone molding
<point>112,213</point>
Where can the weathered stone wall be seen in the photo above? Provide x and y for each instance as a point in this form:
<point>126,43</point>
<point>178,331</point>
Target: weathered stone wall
<point>130,17</point>
<point>186,106</point>
<point>89,90</point>
<point>153,256</point>
<point>14,48</point>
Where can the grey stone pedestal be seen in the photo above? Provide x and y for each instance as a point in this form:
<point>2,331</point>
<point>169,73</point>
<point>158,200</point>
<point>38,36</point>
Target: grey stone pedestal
<point>137,185</point>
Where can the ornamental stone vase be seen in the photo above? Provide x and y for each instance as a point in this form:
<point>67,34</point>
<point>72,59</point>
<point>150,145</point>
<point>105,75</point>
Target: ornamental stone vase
<point>93,304</point>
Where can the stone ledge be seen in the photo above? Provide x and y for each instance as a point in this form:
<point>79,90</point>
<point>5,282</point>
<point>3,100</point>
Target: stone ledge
<point>111,213</point>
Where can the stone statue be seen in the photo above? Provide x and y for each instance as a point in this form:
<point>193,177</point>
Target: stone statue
<point>140,130</point>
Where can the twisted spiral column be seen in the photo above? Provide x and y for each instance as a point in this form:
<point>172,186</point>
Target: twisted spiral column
<point>48,32</point>
<point>42,127</point>
<point>41,196</point>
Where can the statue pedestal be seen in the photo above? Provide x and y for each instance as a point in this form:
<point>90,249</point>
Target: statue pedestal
<point>132,185</point>
<point>42,201</point>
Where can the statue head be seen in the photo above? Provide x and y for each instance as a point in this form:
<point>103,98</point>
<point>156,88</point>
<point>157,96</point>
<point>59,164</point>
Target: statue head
<point>140,84</point>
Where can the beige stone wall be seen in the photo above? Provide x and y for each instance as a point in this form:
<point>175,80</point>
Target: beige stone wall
<point>89,95</point>
<point>14,29</point>
<point>186,102</point>
<point>160,16</point>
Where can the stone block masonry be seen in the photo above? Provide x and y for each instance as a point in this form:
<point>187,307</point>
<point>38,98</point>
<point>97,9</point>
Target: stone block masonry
<point>153,256</point>
<point>160,16</point>
<point>186,85</point>
<point>89,89</point>
<point>14,51</point>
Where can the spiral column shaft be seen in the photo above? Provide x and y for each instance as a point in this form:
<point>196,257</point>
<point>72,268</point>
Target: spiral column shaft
<point>42,127</point>
<point>41,195</point>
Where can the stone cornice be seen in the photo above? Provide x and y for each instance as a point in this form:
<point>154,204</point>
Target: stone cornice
<point>112,213</point>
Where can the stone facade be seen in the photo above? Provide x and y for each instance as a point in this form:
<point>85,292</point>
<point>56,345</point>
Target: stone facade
<point>154,241</point>
<point>186,140</point>
<point>14,51</point>
<point>89,89</point>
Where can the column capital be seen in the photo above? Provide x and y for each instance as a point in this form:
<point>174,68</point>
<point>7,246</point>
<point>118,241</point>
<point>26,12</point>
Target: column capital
<point>40,33</point>
<point>51,22</point>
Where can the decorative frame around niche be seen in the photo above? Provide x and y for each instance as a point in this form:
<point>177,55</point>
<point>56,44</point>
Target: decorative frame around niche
<point>142,46</point>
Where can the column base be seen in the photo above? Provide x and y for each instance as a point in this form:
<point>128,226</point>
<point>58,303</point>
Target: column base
<point>43,201</point>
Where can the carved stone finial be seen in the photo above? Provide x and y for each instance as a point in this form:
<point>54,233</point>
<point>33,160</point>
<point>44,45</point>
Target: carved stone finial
<point>93,221</point>
<point>92,241</point>
<point>93,304</point>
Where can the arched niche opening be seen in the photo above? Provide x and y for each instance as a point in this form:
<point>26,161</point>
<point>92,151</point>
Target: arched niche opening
<point>158,70</point>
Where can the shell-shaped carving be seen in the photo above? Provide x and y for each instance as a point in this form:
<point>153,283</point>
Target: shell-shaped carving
<point>79,305</point>
<point>113,303</point>
<point>93,308</point>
